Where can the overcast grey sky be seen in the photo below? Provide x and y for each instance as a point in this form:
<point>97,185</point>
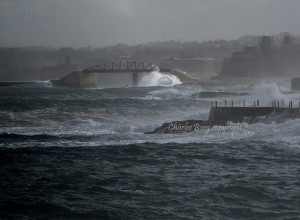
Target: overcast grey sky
<point>107,22</point>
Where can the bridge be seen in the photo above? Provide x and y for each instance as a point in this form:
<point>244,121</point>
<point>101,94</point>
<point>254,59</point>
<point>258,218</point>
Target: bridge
<point>87,78</point>
<point>122,67</point>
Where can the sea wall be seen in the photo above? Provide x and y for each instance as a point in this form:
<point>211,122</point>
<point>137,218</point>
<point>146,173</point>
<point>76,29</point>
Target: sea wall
<point>220,116</point>
<point>238,114</point>
<point>77,79</point>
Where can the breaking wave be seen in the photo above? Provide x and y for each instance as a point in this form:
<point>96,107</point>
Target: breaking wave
<point>159,79</point>
<point>267,92</point>
<point>173,93</point>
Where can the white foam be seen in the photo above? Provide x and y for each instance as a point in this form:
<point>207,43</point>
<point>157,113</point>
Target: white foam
<point>266,93</point>
<point>158,79</point>
<point>172,93</point>
<point>113,134</point>
<point>167,93</point>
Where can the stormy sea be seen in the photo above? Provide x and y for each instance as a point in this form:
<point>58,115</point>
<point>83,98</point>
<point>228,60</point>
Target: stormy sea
<point>83,154</point>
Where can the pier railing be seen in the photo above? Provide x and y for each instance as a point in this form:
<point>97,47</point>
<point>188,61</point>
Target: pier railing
<point>256,103</point>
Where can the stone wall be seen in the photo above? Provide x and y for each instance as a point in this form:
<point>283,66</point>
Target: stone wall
<point>77,79</point>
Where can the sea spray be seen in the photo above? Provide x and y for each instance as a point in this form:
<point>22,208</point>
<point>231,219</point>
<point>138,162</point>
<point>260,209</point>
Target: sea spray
<point>173,93</point>
<point>159,79</point>
<point>167,93</point>
<point>267,92</point>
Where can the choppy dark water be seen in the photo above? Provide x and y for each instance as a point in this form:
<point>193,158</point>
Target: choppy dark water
<point>69,154</point>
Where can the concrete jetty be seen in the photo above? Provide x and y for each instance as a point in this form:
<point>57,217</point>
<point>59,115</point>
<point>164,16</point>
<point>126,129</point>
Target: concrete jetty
<point>221,116</point>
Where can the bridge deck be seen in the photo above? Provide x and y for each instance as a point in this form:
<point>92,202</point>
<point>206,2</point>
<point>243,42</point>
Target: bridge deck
<point>122,67</point>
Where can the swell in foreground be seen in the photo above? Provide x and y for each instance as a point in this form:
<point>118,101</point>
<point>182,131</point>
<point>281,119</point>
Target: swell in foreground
<point>83,154</point>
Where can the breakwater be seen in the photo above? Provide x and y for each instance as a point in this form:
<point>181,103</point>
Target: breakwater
<point>77,79</point>
<point>221,116</point>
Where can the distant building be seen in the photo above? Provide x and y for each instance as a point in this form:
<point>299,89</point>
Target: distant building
<point>265,44</point>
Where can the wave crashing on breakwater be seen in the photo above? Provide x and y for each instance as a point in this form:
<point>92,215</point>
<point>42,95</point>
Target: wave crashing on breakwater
<point>159,79</point>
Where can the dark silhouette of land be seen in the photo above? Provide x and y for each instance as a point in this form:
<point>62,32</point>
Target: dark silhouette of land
<point>199,60</point>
